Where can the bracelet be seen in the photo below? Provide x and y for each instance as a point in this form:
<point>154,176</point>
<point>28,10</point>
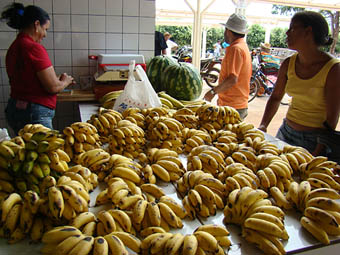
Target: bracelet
<point>212,91</point>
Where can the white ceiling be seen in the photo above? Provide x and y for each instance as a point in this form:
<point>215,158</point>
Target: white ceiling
<point>319,4</point>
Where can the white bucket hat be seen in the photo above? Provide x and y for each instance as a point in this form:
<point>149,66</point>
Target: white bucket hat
<point>237,23</point>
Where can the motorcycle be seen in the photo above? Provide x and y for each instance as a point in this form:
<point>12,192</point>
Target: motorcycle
<point>209,72</point>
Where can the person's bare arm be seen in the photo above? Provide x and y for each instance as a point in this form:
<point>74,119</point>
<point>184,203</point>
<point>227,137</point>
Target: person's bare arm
<point>51,82</point>
<point>228,82</point>
<point>332,94</point>
<point>275,98</point>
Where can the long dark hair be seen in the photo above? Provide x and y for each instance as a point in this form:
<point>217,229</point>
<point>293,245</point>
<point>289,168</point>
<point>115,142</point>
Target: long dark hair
<point>319,26</point>
<point>20,17</point>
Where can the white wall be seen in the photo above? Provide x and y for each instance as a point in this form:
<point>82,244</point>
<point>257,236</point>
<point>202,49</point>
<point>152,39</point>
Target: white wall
<point>80,28</point>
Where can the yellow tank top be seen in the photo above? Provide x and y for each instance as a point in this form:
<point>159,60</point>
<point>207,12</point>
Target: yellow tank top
<point>308,105</point>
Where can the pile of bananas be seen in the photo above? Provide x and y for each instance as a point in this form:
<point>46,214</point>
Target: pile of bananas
<point>28,161</point>
<point>136,116</point>
<point>296,156</point>
<point>262,222</point>
<point>165,132</point>
<point>105,121</point>
<point>237,176</point>
<point>20,217</point>
<point>122,193</point>
<point>127,139</point>
<point>319,172</point>
<point>95,159</point>
<point>108,100</point>
<point>218,116</point>
<point>207,158</point>
<point>207,239</point>
<point>321,216</point>
<point>63,199</point>
<point>187,117</point>
<point>165,164</point>
<point>169,102</point>
<point>80,137</point>
<point>193,138</point>
<point>70,240</point>
<point>203,193</point>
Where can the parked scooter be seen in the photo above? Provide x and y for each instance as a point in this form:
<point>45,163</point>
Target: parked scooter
<point>209,72</point>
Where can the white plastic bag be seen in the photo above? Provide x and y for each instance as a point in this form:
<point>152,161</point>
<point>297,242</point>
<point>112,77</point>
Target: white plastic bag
<point>4,134</point>
<point>137,93</point>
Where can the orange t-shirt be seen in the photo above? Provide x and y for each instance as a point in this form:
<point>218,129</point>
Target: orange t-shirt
<point>237,61</point>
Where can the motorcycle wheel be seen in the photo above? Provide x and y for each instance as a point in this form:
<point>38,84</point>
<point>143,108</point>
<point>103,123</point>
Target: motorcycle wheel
<point>254,88</point>
<point>211,78</point>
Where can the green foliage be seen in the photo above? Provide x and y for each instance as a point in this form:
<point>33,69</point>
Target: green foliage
<point>278,37</point>
<point>285,10</point>
<point>255,36</point>
<point>179,34</point>
<point>182,35</point>
<point>213,35</point>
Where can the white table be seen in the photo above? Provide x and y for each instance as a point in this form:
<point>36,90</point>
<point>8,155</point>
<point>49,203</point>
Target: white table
<point>300,240</point>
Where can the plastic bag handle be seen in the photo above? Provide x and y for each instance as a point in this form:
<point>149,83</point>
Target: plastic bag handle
<point>131,69</point>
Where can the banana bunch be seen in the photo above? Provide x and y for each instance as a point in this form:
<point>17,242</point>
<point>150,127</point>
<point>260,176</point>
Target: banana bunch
<point>226,136</point>
<point>321,215</point>
<point>28,130</point>
<point>105,121</point>
<point>136,116</point>
<point>320,173</point>
<point>298,193</point>
<point>20,217</point>
<point>165,164</point>
<point>227,149</point>
<point>83,175</point>
<point>218,116</point>
<point>29,161</point>
<point>127,171</point>
<point>237,176</point>
<point>169,101</point>
<point>273,171</point>
<point>122,193</point>
<point>165,132</point>
<point>108,100</point>
<point>165,213</point>
<point>106,222</point>
<point>70,240</point>
<point>64,199</point>
<point>258,217</point>
<point>95,160</point>
<point>194,137</point>
<point>207,239</point>
<point>120,161</point>
<point>187,117</point>
<point>6,183</point>
<point>246,156</point>
<point>202,201</point>
<point>297,156</point>
<point>80,137</point>
<point>207,158</point>
<point>127,139</point>
<point>210,190</point>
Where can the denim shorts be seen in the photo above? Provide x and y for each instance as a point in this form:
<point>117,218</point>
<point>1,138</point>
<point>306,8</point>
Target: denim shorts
<point>243,113</point>
<point>34,114</point>
<point>305,139</point>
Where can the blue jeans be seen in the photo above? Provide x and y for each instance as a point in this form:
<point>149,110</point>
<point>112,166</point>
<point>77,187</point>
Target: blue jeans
<point>305,139</point>
<point>32,114</point>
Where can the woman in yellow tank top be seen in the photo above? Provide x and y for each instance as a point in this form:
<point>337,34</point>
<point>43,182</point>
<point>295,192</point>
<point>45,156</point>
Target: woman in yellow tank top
<point>311,77</point>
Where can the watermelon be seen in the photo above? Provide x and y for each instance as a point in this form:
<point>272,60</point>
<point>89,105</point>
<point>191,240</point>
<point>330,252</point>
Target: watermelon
<point>155,69</point>
<point>182,81</point>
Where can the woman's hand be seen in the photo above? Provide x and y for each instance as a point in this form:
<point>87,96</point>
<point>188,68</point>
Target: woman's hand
<point>208,96</point>
<point>263,128</point>
<point>68,79</point>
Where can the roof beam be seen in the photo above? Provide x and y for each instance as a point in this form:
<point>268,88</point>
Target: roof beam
<point>320,4</point>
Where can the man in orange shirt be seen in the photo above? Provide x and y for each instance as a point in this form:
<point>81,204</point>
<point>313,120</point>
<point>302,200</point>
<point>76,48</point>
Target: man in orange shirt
<point>233,84</point>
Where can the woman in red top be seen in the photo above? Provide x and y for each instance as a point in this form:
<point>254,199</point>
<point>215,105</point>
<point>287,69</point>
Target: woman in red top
<point>34,83</point>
